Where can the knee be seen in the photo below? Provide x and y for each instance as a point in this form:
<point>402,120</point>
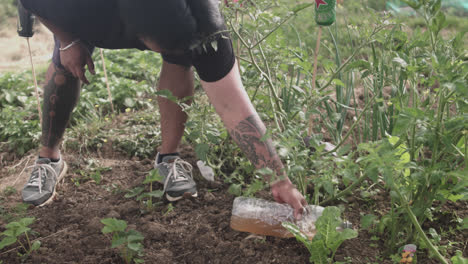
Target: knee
<point>213,65</point>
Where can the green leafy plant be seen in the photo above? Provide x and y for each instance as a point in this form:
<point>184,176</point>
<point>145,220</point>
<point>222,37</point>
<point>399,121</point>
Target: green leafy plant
<point>459,259</point>
<point>129,242</point>
<point>19,232</point>
<point>147,197</point>
<point>328,239</point>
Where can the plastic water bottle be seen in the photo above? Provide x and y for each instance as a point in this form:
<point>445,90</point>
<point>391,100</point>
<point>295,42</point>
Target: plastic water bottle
<point>205,170</point>
<point>325,12</point>
<point>263,217</point>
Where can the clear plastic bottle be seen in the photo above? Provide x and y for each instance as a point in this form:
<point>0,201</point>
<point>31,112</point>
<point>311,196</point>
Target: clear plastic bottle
<point>205,170</point>
<point>263,217</point>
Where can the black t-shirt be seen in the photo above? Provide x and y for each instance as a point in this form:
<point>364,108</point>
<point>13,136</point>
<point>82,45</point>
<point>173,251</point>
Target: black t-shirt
<point>95,21</point>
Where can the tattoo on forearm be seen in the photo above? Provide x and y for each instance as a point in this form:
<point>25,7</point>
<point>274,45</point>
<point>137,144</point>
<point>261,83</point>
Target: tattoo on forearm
<point>248,135</point>
<point>60,97</point>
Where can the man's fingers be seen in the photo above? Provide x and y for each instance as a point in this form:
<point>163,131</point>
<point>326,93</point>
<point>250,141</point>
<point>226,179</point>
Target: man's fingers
<point>277,198</point>
<point>81,75</point>
<point>73,72</point>
<point>298,210</point>
<point>90,63</point>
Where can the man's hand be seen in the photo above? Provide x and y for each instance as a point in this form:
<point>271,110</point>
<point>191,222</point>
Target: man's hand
<point>74,60</point>
<point>285,192</point>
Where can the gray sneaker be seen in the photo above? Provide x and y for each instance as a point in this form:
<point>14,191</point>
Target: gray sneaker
<point>40,189</point>
<point>178,178</point>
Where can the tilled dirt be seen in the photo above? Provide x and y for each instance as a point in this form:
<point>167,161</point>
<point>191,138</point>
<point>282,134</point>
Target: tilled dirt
<point>193,231</point>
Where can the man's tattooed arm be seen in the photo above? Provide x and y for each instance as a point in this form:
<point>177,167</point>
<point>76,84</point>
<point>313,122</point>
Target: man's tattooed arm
<point>248,135</point>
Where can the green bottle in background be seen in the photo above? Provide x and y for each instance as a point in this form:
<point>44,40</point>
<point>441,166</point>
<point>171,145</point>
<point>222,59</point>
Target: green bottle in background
<point>325,12</point>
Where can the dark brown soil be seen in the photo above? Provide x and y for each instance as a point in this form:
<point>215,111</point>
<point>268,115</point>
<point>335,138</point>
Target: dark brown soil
<point>194,231</point>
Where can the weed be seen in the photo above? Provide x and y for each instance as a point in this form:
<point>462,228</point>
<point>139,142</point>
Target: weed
<point>94,170</point>
<point>9,191</point>
<point>323,247</point>
<point>147,197</point>
<point>169,209</point>
<point>19,231</point>
<point>458,258</point>
<point>129,242</point>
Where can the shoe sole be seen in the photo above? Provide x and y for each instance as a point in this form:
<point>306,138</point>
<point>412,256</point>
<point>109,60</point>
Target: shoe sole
<point>186,195</point>
<point>60,180</point>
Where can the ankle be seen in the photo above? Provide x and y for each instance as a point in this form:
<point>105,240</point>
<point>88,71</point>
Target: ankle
<point>52,154</point>
<point>161,156</point>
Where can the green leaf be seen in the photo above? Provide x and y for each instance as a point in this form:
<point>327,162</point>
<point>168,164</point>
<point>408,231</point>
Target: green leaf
<point>358,64</point>
<point>134,192</point>
<point>400,62</point>
<point>22,230</point>
<point>235,189</point>
<point>319,253</point>
<point>434,235</point>
<point>327,223</point>
<point>129,102</point>
<point>338,82</point>
<point>413,3</point>
<point>201,150</point>
<point>367,220</point>
<point>465,223</point>
<point>298,89</point>
<point>153,176</point>
<point>459,259</point>
<point>135,236</point>
<point>7,241</point>
<point>36,245</point>
<point>113,225</point>
<point>296,232</point>
<point>155,194</point>
<point>265,171</point>
<point>117,241</point>
<point>27,221</point>
<point>138,261</point>
<point>167,94</point>
<point>135,246</point>
<point>347,234</point>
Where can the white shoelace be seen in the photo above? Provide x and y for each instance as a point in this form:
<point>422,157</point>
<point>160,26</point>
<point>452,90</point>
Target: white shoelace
<point>178,171</point>
<point>36,178</point>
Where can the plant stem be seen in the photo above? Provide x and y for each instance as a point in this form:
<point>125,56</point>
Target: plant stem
<point>345,191</point>
<point>27,239</point>
<point>264,75</point>
<point>314,76</point>
<point>418,227</point>
<point>353,126</point>
<point>22,246</point>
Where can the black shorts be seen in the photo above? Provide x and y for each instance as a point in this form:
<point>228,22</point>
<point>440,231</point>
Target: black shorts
<point>182,59</point>
<point>111,24</point>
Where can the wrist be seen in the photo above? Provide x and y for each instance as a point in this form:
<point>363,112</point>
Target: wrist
<point>281,183</point>
<point>66,45</point>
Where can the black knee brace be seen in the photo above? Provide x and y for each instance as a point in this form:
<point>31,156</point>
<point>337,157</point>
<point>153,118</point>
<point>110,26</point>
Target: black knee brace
<point>213,65</point>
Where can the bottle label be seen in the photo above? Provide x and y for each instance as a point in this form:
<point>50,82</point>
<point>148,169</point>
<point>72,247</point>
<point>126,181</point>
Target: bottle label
<point>325,12</point>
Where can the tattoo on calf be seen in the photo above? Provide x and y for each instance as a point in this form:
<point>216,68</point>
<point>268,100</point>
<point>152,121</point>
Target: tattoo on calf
<point>60,97</point>
<point>248,135</point>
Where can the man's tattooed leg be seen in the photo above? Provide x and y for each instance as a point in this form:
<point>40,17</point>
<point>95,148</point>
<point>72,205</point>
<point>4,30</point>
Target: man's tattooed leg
<point>248,135</point>
<point>60,96</point>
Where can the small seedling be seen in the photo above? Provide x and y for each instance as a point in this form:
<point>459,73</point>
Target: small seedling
<point>323,247</point>
<point>9,191</point>
<point>14,233</point>
<point>147,197</point>
<point>169,209</point>
<point>128,242</point>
